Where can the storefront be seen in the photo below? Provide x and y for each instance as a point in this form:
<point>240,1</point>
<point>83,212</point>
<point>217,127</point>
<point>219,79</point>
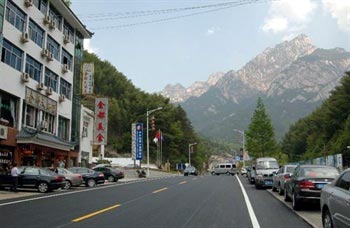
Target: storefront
<point>35,148</point>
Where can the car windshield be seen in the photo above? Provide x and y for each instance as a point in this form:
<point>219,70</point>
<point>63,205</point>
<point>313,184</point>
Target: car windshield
<point>267,165</point>
<point>290,169</point>
<point>190,169</point>
<point>320,172</point>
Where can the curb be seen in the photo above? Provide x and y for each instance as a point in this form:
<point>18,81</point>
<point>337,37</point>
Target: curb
<point>295,212</point>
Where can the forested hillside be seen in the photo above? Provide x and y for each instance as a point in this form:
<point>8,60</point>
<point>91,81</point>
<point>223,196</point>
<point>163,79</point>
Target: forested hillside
<point>128,104</point>
<point>326,131</point>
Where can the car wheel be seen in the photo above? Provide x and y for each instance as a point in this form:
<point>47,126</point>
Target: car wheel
<point>327,219</point>
<point>67,184</point>
<point>43,187</point>
<point>286,197</point>
<point>280,191</point>
<point>91,183</point>
<point>111,179</point>
<point>252,181</point>
<point>228,173</point>
<point>274,189</point>
<point>296,202</point>
<point>257,186</point>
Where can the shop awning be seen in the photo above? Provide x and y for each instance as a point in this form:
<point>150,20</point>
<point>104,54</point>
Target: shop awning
<point>29,136</point>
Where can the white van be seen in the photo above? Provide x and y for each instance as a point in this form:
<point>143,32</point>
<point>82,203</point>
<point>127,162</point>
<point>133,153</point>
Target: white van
<point>225,168</point>
<point>264,169</point>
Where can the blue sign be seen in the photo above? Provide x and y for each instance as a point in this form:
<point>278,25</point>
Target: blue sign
<point>238,158</point>
<point>139,141</point>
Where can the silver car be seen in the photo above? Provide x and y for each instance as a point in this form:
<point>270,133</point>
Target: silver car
<point>281,176</point>
<point>72,179</point>
<point>335,202</point>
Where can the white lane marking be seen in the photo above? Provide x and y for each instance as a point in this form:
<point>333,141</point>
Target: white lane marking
<point>249,206</point>
<point>79,191</point>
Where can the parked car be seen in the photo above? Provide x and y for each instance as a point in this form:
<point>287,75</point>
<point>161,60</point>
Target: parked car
<point>251,175</point>
<point>225,168</point>
<point>281,176</point>
<point>35,177</point>
<point>90,177</point>
<point>190,170</point>
<point>335,202</point>
<point>244,170</point>
<point>71,179</point>
<point>264,169</point>
<point>111,174</point>
<point>306,183</point>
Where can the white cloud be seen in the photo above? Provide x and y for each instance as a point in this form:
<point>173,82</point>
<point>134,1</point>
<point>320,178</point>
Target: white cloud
<point>212,31</point>
<point>340,10</point>
<point>289,15</point>
<point>88,47</point>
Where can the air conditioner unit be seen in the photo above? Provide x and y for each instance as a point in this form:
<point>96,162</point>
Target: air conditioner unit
<point>62,98</point>
<point>65,68</point>
<point>25,77</point>
<point>28,3</point>
<point>3,132</point>
<point>47,19</point>
<point>66,39</point>
<point>52,24</point>
<point>49,91</point>
<point>50,57</point>
<point>24,37</point>
<point>40,86</point>
<point>44,52</point>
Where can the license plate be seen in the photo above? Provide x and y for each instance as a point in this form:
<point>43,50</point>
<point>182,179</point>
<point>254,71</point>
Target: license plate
<point>320,186</point>
<point>268,182</point>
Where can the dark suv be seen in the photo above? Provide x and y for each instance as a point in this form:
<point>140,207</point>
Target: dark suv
<point>111,174</point>
<point>91,177</point>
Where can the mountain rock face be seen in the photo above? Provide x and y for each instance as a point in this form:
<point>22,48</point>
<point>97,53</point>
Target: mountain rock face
<point>178,93</point>
<point>293,78</point>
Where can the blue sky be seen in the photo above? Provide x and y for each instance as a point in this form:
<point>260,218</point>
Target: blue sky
<point>190,48</point>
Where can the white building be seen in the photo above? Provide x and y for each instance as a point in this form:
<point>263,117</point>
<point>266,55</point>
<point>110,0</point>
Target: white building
<point>41,45</point>
<point>86,137</point>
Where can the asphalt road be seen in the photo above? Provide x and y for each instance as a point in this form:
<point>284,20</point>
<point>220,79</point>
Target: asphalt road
<point>203,201</point>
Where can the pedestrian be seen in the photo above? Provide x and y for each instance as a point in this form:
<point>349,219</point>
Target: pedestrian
<point>14,175</point>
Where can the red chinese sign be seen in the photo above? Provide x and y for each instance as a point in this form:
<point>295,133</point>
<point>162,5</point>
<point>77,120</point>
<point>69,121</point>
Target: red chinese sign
<point>101,121</point>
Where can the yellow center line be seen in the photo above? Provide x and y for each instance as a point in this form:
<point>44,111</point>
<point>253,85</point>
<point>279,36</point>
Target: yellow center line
<point>95,213</point>
<point>160,190</point>
<point>183,182</point>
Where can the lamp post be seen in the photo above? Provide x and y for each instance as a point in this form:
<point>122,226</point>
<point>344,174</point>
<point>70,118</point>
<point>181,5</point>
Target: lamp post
<point>242,132</point>
<point>189,152</point>
<point>148,113</point>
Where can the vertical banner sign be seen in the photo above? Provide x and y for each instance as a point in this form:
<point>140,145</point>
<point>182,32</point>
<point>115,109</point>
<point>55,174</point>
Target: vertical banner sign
<point>133,141</point>
<point>139,141</point>
<point>88,78</point>
<point>101,121</point>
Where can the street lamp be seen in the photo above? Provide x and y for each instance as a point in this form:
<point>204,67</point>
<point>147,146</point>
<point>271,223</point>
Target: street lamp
<point>189,152</point>
<point>242,132</point>
<point>148,113</point>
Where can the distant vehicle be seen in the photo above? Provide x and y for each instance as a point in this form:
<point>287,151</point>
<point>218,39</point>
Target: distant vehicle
<point>225,168</point>
<point>335,202</point>
<point>306,183</point>
<point>71,179</point>
<point>264,170</point>
<point>91,177</point>
<point>190,170</point>
<point>34,177</point>
<point>244,170</point>
<point>111,174</point>
<point>251,175</point>
<point>281,176</point>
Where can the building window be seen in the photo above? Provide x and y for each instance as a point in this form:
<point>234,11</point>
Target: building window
<point>67,59</point>
<point>51,79</point>
<point>63,128</point>
<point>8,110</point>
<point>68,30</point>
<point>31,116</point>
<point>15,16</point>
<point>48,122</point>
<point>56,17</point>
<point>33,68</point>
<point>66,88</point>
<point>41,5</point>
<point>36,34</point>
<point>53,47</point>
<point>12,55</point>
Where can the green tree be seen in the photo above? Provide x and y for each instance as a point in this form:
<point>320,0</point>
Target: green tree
<point>68,2</point>
<point>260,134</point>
